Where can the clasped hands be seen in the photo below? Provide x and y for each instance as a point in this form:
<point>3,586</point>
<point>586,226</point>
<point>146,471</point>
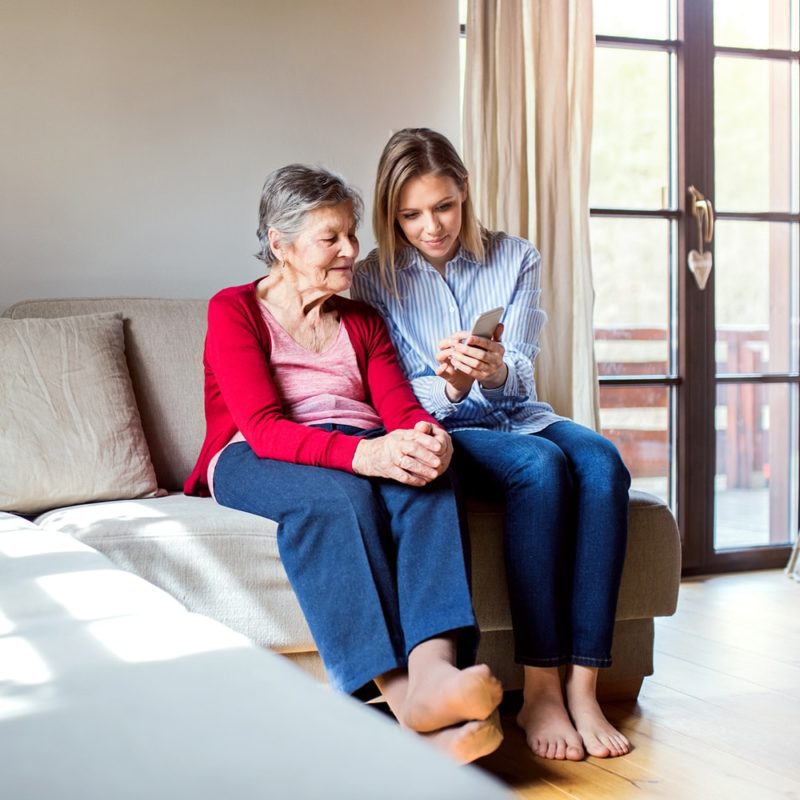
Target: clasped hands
<point>465,358</point>
<point>414,456</point>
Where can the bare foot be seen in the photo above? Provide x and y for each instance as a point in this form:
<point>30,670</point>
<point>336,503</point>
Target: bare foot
<point>470,740</point>
<point>600,738</point>
<point>445,695</point>
<point>543,717</point>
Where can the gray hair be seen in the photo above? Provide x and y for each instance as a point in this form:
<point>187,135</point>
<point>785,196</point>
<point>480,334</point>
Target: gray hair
<point>289,194</point>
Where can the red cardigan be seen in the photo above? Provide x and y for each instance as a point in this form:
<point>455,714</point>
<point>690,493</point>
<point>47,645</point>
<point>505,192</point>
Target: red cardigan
<point>240,393</point>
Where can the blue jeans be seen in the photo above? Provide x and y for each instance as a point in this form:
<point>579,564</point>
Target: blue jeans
<point>377,566</point>
<point>566,524</point>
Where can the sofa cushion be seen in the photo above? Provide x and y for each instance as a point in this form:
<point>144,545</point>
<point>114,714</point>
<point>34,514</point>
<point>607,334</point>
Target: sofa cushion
<point>217,561</point>
<point>164,349</point>
<point>70,428</point>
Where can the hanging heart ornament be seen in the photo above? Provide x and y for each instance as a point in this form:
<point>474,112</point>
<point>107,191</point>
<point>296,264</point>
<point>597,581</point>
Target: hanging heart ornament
<point>700,265</point>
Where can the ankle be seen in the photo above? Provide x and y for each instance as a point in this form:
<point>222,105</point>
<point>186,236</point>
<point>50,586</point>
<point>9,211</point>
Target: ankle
<point>542,682</point>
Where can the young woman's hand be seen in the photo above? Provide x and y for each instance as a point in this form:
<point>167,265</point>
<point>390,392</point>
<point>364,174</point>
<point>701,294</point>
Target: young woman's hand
<point>464,358</point>
<point>411,456</point>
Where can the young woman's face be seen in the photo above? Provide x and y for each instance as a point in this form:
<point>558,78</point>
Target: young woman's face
<point>429,214</point>
<point>323,255</point>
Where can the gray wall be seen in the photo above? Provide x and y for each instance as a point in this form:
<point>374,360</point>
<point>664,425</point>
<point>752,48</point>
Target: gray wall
<point>135,134</point>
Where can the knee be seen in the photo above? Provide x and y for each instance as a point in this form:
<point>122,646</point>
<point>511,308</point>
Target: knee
<point>605,465</point>
<point>544,470</point>
<point>337,496</point>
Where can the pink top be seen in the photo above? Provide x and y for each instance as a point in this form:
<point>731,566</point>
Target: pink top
<point>315,387</point>
<point>319,387</point>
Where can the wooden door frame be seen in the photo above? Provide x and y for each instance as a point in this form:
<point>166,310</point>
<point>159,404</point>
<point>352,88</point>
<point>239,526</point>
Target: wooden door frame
<point>697,389</point>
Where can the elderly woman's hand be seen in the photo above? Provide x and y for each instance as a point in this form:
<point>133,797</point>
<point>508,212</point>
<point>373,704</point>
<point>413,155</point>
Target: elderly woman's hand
<point>411,456</point>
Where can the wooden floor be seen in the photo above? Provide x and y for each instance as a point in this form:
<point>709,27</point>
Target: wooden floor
<point>719,718</point>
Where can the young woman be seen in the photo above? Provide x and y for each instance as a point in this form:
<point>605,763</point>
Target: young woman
<point>565,487</point>
<point>311,422</point>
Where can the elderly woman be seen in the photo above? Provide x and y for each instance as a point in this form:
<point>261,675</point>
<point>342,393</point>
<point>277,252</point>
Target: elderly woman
<point>311,422</point>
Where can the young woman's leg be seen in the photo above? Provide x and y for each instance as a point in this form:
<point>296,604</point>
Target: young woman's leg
<point>531,476</point>
<point>601,490</point>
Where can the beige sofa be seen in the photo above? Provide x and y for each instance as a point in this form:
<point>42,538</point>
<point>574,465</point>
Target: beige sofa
<point>225,563</point>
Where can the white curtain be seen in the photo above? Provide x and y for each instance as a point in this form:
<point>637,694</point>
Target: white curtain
<point>527,138</point>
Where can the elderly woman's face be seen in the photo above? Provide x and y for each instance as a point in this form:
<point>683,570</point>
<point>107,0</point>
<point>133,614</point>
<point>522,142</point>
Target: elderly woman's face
<point>324,253</point>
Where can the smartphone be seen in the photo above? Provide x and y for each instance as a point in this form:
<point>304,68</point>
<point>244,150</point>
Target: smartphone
<point>485,323</point>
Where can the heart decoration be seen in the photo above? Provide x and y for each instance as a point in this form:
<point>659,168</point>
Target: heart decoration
<point>700,265</point>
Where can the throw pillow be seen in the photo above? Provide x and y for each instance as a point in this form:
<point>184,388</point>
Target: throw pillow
<point>69,425</point>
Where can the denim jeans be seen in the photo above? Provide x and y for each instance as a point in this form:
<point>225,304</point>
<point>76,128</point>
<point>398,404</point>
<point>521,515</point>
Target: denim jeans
<point>377,566</point>
<point>566,524</point>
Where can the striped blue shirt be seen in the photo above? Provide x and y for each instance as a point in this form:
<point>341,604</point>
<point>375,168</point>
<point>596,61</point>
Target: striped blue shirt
<point>429,309</point>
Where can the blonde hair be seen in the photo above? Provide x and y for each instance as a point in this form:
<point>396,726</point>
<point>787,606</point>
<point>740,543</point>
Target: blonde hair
<point>411,153</point>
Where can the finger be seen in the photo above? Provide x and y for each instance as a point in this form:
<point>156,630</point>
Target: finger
<point>464,363</point>
<point>419,469</point>
<point>401,476</point>
<point>442,435</point>
<point>424,427</point>
<point>497,350</point>
<point>491,353</point>
<point>481,362</point>
<point>476,341</point>
<point>498,332</point>
<point>447,372</point>
<point>443,356</point>
<point>426,452</point>
<point>416,436</point>
<point>446,344</point>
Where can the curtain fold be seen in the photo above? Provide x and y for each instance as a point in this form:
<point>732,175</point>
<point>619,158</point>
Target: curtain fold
<point>527,141</point>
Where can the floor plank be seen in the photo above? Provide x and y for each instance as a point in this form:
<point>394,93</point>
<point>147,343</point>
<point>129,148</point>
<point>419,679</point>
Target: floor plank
<point>720,717</point>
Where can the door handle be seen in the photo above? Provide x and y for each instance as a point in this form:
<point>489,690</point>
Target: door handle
<point>699,261</point>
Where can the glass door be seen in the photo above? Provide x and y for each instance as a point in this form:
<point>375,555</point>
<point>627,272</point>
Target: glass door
<point>696,163</point>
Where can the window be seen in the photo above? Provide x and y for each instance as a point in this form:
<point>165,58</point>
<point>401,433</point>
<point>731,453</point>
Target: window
<point>699,387</point>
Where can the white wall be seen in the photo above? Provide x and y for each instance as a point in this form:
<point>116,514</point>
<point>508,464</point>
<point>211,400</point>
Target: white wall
<point>136,134</point>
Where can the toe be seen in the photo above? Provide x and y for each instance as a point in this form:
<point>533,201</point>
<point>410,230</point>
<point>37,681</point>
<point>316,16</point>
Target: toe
<point>595,747</point>
<point>575,753</point>
<point>623,745</point>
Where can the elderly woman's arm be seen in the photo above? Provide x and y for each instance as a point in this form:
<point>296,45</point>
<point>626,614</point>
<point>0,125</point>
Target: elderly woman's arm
<point>236,357</point>
<point>242,386</point>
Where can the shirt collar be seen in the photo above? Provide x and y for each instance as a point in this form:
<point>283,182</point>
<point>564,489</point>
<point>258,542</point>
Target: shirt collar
<point>411,257</point>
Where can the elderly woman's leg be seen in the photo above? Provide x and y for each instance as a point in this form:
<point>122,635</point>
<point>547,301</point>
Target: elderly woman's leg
<point>333,545</point>
<point>378,572</point>
<point>470,696</point>
<point>367,598</point>
<point>431,577</point>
